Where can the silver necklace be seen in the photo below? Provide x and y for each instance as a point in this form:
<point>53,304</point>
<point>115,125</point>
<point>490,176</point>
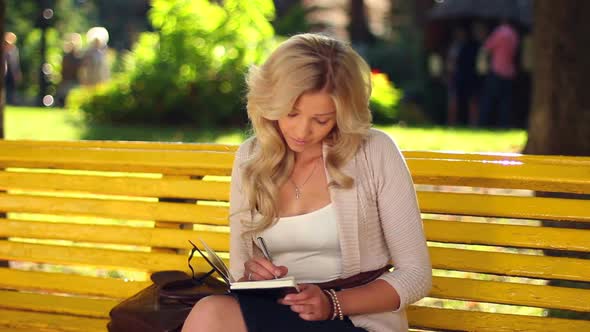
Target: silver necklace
<point>298,188</point>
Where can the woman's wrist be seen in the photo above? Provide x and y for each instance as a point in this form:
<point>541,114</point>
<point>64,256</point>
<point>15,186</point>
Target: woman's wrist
<point>331,305</point>
<point>336,312</point>
<point>338,306</point>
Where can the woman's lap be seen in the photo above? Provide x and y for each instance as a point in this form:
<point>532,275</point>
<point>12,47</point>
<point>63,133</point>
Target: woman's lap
<point>263,314</point>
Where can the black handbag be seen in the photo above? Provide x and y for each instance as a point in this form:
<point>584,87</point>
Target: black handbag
<point>164,305</point>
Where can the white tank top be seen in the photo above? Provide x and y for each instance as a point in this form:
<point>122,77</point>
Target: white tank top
<point>307,245</point>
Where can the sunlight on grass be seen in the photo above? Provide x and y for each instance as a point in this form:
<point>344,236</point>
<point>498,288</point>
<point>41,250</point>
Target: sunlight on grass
<point>457,139</point>
<point>230,138</point>
<point>60,124</point>
<point>42,124</point>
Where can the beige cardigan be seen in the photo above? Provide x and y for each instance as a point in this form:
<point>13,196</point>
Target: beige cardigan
<point>378,219</point>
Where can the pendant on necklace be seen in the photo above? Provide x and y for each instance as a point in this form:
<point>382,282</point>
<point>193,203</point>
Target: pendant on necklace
<point>297,193</point>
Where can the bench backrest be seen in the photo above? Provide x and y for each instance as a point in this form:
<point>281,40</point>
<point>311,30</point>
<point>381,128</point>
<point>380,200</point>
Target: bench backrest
<point>100,216</point>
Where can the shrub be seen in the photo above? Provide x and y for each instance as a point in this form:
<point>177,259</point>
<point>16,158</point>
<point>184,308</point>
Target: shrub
<point>384,99</point>
<point>191,69</point>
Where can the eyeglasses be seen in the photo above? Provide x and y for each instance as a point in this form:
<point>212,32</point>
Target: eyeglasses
<point>190,257</point>
<point>183,291</point>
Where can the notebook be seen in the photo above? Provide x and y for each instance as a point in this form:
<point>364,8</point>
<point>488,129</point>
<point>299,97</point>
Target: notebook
<point>273,287</point>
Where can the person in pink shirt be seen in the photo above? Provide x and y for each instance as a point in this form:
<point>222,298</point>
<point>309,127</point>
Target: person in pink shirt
<point>502,46</point>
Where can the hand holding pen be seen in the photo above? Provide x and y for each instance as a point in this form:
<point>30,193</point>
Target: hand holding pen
<point>265,251</point>
<point>258,268</point>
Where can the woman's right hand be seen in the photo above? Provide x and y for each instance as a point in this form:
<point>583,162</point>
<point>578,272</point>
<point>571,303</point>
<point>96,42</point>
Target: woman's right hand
<point>260,268</point>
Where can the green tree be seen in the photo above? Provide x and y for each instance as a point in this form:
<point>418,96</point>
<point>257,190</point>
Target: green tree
<point>191,69</point>
<point>69,16</point>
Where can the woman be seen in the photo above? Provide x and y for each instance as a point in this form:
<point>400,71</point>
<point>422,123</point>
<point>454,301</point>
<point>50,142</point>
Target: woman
<point>332,198</point>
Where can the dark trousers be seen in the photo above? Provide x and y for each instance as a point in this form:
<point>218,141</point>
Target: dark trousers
<point>10,90</point>
<point>496,101</point>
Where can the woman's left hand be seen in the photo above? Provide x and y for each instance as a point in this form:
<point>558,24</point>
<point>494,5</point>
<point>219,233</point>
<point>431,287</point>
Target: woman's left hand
<point>311,303</point>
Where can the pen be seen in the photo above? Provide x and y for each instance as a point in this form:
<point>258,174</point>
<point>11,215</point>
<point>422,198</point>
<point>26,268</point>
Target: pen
<point>265,251</point>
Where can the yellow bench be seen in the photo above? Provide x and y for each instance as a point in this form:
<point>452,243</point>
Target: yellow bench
<point>85,222</point>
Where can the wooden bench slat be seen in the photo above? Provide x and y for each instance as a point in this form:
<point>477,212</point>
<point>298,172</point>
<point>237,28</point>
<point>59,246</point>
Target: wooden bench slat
<point>537,177</point>
<point>499,206</point>
<point>132,160</point>
<point>140,236</point>
<point>69,283</point>
<point>442,258</point>
<point>452,288</point>
<point>128,186</point>
<point>419,316</point>
<point>108,258</point>
<point>575,179</point>
<point>499,156</point>
<point>581,161</point>
<point>511,293</point>
<point>14,320</point>
<point>120,145</point>
<point>436,230</point>
<point>507,235</point>
<point>453,319</point>
<point>161,211</point>
<point>77,306</point>
<point>533,266</point>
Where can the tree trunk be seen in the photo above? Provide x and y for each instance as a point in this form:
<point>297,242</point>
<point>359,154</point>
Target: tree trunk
<point>559,123</point>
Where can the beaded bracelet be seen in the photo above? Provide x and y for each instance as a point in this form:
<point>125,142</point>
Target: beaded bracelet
<point>333,311</point>
<point>340,315</point>
<point>338,308</point>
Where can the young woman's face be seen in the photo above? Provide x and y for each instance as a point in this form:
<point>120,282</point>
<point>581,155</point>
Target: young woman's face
<point>311,120</point>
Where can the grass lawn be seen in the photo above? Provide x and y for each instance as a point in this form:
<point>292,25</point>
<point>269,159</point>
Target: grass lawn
<point>60,124</point>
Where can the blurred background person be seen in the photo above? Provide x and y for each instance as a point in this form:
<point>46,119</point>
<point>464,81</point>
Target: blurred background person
<point>496,101</point>
<point>70,66</point>
<point>95,68</point>
<point>11,62</point>
<point>463,80</point>
<point>457,41</point>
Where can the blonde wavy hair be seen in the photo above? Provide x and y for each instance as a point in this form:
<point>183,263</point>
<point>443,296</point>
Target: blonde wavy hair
<point>303,63</point>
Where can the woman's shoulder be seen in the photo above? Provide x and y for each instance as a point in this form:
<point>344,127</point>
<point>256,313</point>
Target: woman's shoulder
<point>379,142</point>
<point>246,148</point>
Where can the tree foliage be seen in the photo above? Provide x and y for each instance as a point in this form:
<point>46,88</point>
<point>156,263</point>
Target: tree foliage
<point>22,19</point>
<point>384,99</point>
<point>190,69</point>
